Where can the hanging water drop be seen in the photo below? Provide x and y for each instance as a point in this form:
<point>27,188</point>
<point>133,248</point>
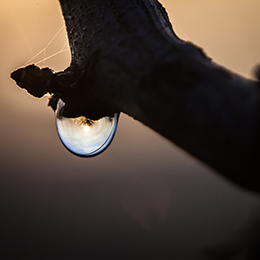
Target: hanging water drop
<point>82,136</point>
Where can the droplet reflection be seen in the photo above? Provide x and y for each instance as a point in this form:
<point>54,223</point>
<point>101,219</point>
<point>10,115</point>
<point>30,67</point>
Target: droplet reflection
<point>82,136</point>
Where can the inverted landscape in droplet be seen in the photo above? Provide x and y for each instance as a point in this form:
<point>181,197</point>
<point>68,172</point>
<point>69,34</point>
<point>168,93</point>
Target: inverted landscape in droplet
<point>82,136</point>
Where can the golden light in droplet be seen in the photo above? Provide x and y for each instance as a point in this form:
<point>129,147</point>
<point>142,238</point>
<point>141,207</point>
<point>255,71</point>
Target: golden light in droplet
<point>86,128</point>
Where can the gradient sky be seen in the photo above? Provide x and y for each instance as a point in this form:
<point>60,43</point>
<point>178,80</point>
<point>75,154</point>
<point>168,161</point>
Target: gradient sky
<point>143,191</point>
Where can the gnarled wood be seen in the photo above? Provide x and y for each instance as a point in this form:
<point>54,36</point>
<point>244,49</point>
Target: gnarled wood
<point>126,57</point>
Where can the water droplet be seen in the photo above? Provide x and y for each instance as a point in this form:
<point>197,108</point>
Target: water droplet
<point>82,136</point>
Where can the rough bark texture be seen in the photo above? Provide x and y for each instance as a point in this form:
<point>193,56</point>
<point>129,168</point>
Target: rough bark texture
<point>126,57</point>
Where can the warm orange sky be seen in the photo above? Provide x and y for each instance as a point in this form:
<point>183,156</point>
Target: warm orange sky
<point>227,30</point>
<point>140,169</point>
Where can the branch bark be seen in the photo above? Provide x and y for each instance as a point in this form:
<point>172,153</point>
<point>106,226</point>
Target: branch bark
<point>127,58</point>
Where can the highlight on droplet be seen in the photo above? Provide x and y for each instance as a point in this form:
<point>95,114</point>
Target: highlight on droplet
<point>86,128</point>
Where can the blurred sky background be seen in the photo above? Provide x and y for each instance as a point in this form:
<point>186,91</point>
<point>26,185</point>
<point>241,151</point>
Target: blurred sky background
<point>143,195</point>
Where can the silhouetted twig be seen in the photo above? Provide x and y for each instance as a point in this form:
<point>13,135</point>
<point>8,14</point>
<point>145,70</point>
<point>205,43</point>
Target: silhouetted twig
<point>126,57</point>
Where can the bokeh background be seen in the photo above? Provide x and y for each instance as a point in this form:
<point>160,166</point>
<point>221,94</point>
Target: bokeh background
<point>144,196</point>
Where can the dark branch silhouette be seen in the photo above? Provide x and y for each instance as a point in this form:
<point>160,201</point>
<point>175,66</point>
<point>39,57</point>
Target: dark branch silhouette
<point>127,58</point>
